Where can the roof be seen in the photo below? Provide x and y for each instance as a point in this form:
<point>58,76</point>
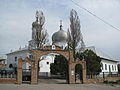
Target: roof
<point>24,49</point>
<point>109,59</point>
<point>101,54</point>
<point>2,59</point>
<point>17,51</point>
<point>59,36</point>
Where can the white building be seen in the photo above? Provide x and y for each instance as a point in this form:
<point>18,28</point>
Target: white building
<point>44,64</point>
<point>12,57</point>
<point>109,65</point>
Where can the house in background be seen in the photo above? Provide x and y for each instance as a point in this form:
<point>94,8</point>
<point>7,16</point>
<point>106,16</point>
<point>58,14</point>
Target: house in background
<point>119,68</point>
<point>109,65</point>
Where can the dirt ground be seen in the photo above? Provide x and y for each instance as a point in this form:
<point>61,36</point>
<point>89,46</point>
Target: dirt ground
<point>43,86</point>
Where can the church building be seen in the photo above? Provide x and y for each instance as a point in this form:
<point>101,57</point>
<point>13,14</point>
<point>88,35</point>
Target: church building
<point>59,42</point>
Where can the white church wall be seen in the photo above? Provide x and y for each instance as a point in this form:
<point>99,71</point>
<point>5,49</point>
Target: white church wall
<point>12,58</point>
<point>45,64</point>
<point>26,65</point>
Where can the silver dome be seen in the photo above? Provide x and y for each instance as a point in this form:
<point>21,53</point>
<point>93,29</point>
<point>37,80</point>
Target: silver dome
<point>59,36</point>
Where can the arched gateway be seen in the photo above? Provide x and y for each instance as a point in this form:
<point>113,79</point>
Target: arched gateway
<point>59,40</point>
<point>37,53</point>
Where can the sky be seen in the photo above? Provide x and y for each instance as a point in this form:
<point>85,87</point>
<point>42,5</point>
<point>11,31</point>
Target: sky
<point>16,17</point>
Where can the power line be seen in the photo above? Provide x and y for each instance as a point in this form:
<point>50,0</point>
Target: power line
<point>96,16</point>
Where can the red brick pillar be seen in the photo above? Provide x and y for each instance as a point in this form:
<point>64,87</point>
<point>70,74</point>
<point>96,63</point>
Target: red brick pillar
<point>71,73</point>
<point>84,71</point>
<point>34,74</point>
<point>19,71</point>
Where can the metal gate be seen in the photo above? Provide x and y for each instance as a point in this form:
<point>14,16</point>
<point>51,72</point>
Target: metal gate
<point>26,75</point>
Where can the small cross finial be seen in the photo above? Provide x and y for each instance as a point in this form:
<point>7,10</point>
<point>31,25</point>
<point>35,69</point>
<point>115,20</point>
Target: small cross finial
<point>60,24</point>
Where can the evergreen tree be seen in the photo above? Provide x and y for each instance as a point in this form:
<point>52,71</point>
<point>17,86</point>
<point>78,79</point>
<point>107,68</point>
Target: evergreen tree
<point>93,62</point>
<point>60,66</point>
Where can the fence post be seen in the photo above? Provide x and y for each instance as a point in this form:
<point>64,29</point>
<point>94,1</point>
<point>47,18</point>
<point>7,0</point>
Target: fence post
<point>111,74</point>
<point>103,75</point>
<point>7,75</point>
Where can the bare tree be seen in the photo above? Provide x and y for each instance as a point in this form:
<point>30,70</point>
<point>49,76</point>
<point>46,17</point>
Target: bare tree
<point>39,34</point>
<point>69,39</point>
<point>74,33</point>
<point>44,38</point>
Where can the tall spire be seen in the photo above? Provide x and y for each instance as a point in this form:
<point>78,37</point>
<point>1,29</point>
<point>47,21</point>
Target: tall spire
<point>60,24</point>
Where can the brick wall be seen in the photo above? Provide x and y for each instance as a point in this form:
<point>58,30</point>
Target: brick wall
<point>102,79</point>
<point>7,81</point>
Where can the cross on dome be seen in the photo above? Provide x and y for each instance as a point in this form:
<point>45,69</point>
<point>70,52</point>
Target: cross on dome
<point>60,24</point>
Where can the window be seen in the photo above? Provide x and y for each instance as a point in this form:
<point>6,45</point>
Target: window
<point>105,66</point>
<point>10,66</point>
<point>112,67</point>
<point>109,68</point>
<point>30,56</point>
<point>29,67</point>
<point>53,46</point>
<point>47,62</point>
<point>115,67</point>
<point>15,59</point>
<point>102,66</point>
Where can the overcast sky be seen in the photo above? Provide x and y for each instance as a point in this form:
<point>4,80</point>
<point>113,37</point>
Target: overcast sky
<point>16,17</point>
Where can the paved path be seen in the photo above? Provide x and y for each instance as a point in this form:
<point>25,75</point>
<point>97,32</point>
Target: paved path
<point>52,81</point>
<point>43,86</point>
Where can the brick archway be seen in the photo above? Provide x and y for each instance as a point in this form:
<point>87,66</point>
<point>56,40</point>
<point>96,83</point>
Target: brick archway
<point>19,71</point>
<point>83,63</point>
<point>36,54</point>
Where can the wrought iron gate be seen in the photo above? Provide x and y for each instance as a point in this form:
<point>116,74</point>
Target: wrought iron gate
<point>26,75</point>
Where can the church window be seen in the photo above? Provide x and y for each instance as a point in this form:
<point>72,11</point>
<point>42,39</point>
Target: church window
<point>15,59</point>
<point>29,67</point>
<point>47,62</point>
<point>30,56</point>
<point>53,46</point>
